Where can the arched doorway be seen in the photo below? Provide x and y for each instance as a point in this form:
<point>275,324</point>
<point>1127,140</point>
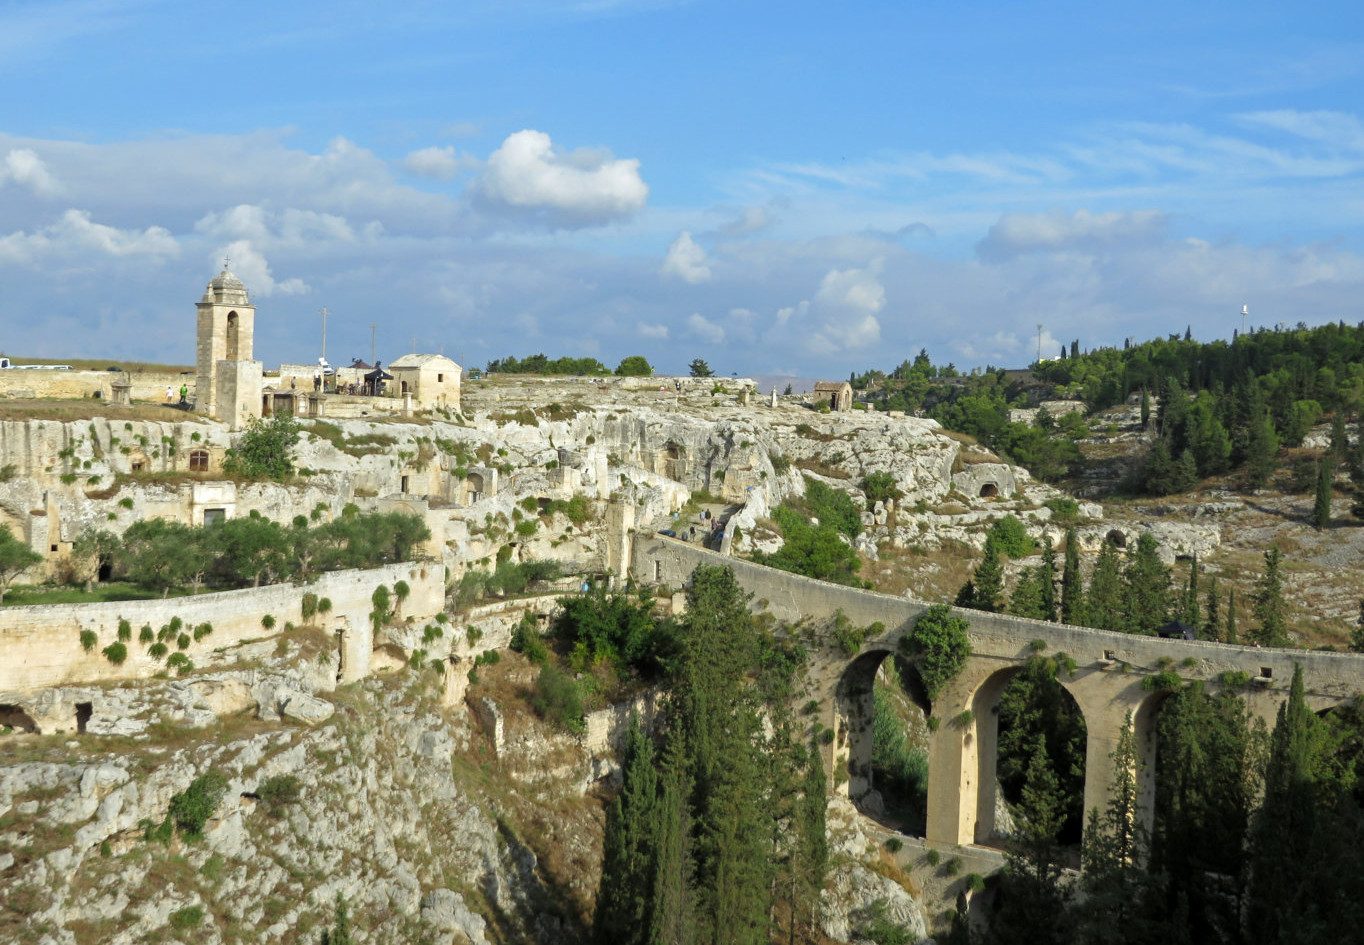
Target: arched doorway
<point>1117,537</point>
<point>15,719</point>
<point>989,490</point>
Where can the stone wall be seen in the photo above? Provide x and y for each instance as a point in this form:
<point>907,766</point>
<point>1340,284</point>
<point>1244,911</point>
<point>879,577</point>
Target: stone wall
<point>41,644</point>
<point>80,385</point>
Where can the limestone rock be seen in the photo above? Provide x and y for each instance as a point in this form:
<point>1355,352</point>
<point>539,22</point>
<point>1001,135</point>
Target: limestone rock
<point>851,895</point>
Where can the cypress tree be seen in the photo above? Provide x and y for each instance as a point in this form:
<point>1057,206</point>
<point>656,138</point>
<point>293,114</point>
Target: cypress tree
<point>1340,440</point>
<point>672,904</point>
<point>1286,822</point>
<point>1189,612</point>
<point>988,580</point>
<point>1104,605</point>
<point>1321,509</point>
<point>1046,579</point>
<point>1145,408</point>
<point>1269,607</point>
<point>629,855</point>
<point>1357,634</point>
<point>1212,629</point>
<point>1231,617</point>
<point>1114,853</point>
<point>1072,583</point>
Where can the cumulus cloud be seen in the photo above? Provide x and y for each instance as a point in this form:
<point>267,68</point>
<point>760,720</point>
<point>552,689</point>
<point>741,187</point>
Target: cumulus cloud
<point>1019,233</point>
<point>267,229</point>
<point>24,167</point>
<point>686,260</point>
<point>752,220</point>
<point>440,163</point>
<point>250,265</point>
<point>76,234</point>
<point>705,329</point>
<point>842,314</point>
<point>526,176</point>
<point>657,332</point>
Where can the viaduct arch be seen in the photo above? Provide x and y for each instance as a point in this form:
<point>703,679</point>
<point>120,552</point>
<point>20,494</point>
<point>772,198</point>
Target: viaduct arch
<point>1106,683</point>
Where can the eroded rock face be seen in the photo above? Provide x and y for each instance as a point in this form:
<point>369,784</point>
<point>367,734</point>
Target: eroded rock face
<point>854,896</point>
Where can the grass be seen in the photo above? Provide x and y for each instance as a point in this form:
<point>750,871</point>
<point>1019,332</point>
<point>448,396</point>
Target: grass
<point>37,594</point>
<point>91,409</point>
<point>91,364</point>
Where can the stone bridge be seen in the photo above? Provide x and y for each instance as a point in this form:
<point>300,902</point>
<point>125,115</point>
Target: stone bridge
<point>1106,684</point>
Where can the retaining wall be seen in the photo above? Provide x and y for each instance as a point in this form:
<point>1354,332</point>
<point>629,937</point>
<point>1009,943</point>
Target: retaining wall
<point>40,645</point>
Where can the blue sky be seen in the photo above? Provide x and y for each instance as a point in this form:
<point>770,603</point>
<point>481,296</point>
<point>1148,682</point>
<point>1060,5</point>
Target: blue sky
<point>809,188</point>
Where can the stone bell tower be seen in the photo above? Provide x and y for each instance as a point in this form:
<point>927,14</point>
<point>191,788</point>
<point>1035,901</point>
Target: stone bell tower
<point>228,387</point>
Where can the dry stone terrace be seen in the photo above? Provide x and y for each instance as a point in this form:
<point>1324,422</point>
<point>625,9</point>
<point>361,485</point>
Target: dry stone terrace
<point>1106,683</point>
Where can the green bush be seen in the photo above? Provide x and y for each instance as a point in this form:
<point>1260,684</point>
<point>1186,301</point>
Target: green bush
<point>894,844</point>
<point>557,698</point>
<point>939,646</point>
<point>1010,537</point>
<point>308,608</point>
<point>192,807</point>
<point>116,652</point>
<point>146,634</point>
<point>1164,681</point>
<point>88,640</point>
<point>279,791</point>
<point>125,630</point>
<point>190,917</point>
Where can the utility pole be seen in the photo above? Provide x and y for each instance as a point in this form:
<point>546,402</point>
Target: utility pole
<point>371,346</point>
<point>1039,341</point>
<point>324,333</point>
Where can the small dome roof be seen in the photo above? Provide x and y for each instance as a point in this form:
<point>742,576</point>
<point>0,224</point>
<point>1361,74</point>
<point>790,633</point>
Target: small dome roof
<point>227,289</point>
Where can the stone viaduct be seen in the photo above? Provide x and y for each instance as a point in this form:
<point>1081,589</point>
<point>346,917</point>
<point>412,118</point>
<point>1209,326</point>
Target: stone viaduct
<point>1106,684</point>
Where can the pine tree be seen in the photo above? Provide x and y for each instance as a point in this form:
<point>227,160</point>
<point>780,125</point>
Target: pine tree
<point>1145,409</point>
<point>339,933</point>
<point>988,580</point>
<point>1262,452</point>
<point>1104,605</point>
<point>1026,600</point>
<point>1072,583</point>
<point>1269,608</point>
<point>1147,592</point>
<point>1340,440</point>
<point>1321,509</point>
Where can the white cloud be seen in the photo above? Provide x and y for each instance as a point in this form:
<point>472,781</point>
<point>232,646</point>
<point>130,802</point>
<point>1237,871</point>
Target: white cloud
<point>440,163</point>
<point>23,166</point>
<point>75,234</point>
<point>842,315</point>
<point>750,221</point>
<point>266,229</point>
<point>1018,233</point>
<point>1336,129</point>
<point>250,265</point>
<point>705,329</point>
<point>686,260</point>
<point>658,332</point>
<point>527,176</point>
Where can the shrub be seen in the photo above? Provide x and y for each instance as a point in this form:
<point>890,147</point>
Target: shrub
<point>894,844</point>
<point>1010,537</point>
<point>183,641</point>
<point>557,698</point>
<point>190,917</point>
<point>308,608</point>
<point>146,634</point>
<point>880,487</point>
<point>192,807</point>
<point>278,791</point>
<point>125,630</point>
<point>268,621</point>
<point>932,858</point>
<point>401,590</point>
<point>324,606</point>
<point>1164,681</point>
<point>116,652</point>
<point>202,630</point>
<point>88,640</point>
<point>939,646</point>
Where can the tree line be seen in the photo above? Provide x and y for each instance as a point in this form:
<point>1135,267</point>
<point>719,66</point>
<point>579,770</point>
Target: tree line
<point>251,550</point>
<point>632,366</point>
<point>1127,593</point>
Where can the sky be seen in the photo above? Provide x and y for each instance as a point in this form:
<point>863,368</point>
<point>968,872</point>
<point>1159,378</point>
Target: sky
<point>805,188</point>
